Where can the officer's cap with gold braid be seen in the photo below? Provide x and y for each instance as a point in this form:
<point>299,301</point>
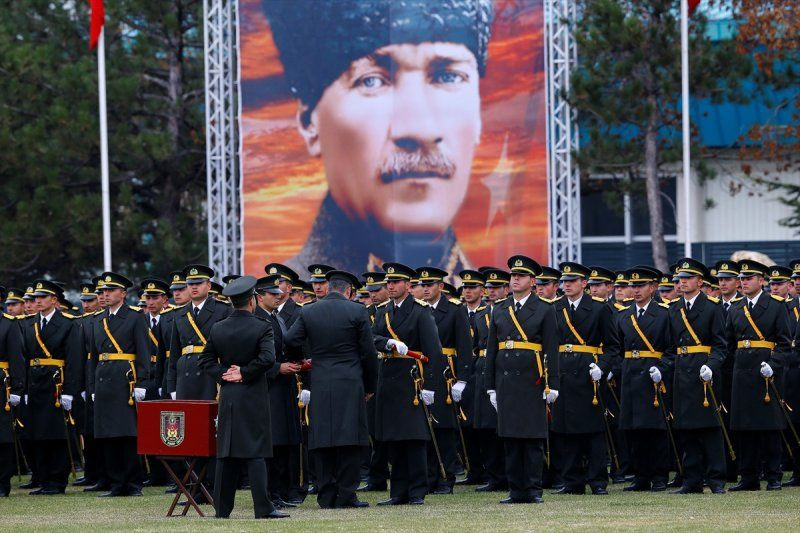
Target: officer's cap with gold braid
<point>318,272</point>
<point>520,264</point>
<point>449,289</point>
<point>29,293</point>
<point>472,278</point>
<point>230,277</point>
<point>194,274</point>
<point>430,275</point>
<point>727,268</point>
<point>177,280</point>
<point>154,287</point>
<point>87,291</point>
<point>666,284</point>
<point>283,271</point>
<point>749,268</point>
<point>44,287</point>
<point>374,281</point>
<point>398,271</point>
<point>642,275</point>
<point>112,280</point>
<point>216,288</point>
<point>15,295</point>
<point>599,275</point>
<point>779,274</point>
<point>621,279</point>
<point>548,275</point>
<point>495,277</point>
<point>571,271</point>
<point>794,264</point>
<point>269,284</point>
<point>689,268</point>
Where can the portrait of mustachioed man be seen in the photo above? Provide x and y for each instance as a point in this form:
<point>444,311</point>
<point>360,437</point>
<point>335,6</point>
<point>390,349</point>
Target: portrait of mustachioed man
<point>392,130</point>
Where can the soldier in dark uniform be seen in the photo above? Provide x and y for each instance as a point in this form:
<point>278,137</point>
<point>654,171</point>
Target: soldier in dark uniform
<point>238,354</point>
<point>521,344</point>
<point>52,347</point>
<point>644,345</point>
<point>378,471</point>
<point>15,304</point>
<point>317,281</point>
<point>338,333</point>
<point>12,388</point>
<point>117,375</point>
<point>180,295</point>
<point>452,324</point>
<point>623,292</point>
<point>547,283</point>
<point>758,340</point>
<point>285,415</point>
<point>287,308</point>
<point>404,324</point>
<point>791,379</point>
<point>579,431</point>
<point>155,293</point>
<point>698,331</point>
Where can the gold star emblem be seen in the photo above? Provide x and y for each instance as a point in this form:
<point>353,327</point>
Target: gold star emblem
<point>745,266</point>
<point>467,277</point>
<point>424,273</point>
<point>620,276</point>
<point>390,270</point>
<point>317,271</point>
<point>108,279</point>
<point>493,275</point>
<point>635,275</point>
<point>567,269</point>
<point>724,266</point>
<point>38,285</point>
<point>518,263</point>
<point>151,285</point>
<point>370,280</point>
<point>85,290</point>
<point>594,273</point>
<point>685,265</point>
<point>273,270</point>
<point>176,277</point>
<point>775,273</point>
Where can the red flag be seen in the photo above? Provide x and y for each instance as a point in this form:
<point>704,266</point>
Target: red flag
<point>96,22</point>
<point>693,5</point>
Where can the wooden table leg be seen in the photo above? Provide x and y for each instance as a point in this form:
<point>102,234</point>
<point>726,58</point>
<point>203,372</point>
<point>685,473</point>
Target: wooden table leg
<point>181,484</point>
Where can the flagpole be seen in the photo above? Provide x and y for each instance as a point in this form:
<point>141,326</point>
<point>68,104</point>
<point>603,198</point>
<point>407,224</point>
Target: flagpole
<point>104,187</point>
<point>687,244</point>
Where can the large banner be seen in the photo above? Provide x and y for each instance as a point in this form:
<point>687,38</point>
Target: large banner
<point>392,130</point>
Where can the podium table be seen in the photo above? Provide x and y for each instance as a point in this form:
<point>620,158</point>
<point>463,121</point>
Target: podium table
<point>185,431</point>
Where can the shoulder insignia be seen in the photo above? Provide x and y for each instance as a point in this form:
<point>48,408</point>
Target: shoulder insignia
<point>135,308</point>
<point>713,299</point>
<point>84,315</point>
<point>481,308</point>
<point>455,301</point>
<point>68,315</point>
<point>675,300</point>
<point>620,307</point>
<point>383,303</point>
<point>627,299</point>
<point>776,297</point>
<point>421,302</point>
<point>6,315</point>
<point>98,312</point>
<point>167,310</point>
<point>662,304</point>
<point>737,299</point>
<point>596,299</point>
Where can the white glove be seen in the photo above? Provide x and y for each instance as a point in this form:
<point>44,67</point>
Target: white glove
<point>492,398</point>
<point>610,376</point>
<point>427,396</point>
<point>304,397</point>
<point>92,396</point>
<point>83,395</point>
<point>400,347</point>
<point>705,373</point>
<point>159,392</point>
<point>13,399</point>
<point>66,402</point>
<point>655,374</point>
<point>766,370</point>
<point>26,399</point>
<point>457,390</point>
<point>551,397</point>
<point>595,372</point>
<point>138,394</point>
<point>173,395</point>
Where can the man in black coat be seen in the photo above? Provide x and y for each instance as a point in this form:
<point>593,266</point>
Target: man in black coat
<point>698,331</point>
<point>118,374</point>
<point>758,339</point>
<point>452,324</point>
<point>579,428</point>
<point>343,377</point>
<point>522,343</point>
<point>285,414</point>
<point>238,354</point>
<point>791,379</point>
<point>12,386</point>
<point>402,325</point>
<point>53,353</point>
<point>643,343</point>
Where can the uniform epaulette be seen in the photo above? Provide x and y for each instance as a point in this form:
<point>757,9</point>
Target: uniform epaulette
<point>135,308</point>
<point>6,315</point>
<point>455,301</point>
<point>597,299</point>
<point>788,299</point>
<point>736,299</point>
<point>675,300</point>
<point>171,309</point>
<point>301,304</point>
<point>421,302</point>
<point>481,308</point>
<point>84,315</point>
<point>776,297</point>
<point>621,307</point>
<point>662,304</point>
<point>383,303</point>
<point>98,312</point>
<point>713,299</point>
<point>627,299</point>
<point>68,315</point>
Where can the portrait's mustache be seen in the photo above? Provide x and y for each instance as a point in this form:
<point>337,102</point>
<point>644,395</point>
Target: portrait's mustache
<point>406,165</point>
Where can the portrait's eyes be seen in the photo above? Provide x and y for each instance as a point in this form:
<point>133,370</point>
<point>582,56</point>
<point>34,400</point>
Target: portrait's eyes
<point>448,77</point>
<point>371,82</point>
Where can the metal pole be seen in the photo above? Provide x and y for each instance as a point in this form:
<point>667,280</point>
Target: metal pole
<point>687,244</point>
<point>101,83</point>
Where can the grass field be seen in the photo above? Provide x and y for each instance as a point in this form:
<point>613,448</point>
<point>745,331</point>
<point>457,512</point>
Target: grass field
<point>463,511</point>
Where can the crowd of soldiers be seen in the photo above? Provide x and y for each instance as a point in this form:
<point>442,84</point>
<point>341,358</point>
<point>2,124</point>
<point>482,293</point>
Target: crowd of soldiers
<point>523,378</point>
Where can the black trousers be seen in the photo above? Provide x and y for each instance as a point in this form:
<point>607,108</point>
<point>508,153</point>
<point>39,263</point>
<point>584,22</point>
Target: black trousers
<point>448,442</point>
<point>93,469</point>
<point>524,466</point>
<point>492,455</point>
<point>226,481</point>
<point>301,470</point>
<point>793,465</point>
<point>649,455</point>
<point>280,471</point>
<point>703,457</point>
<point>378,464</point>
<point>621,447</point>
<point>7,463</point>
<point>52,463</point>
<point>584,459</point>
<point>338,472</point>
<point>121,463</point>
<point>757,448</point>
<point>477,468</point>
<point>29,451</point>
<point>409,469</point>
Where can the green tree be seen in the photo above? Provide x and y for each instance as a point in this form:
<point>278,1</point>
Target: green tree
<point>626,89</point>
<point>51,222</point>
